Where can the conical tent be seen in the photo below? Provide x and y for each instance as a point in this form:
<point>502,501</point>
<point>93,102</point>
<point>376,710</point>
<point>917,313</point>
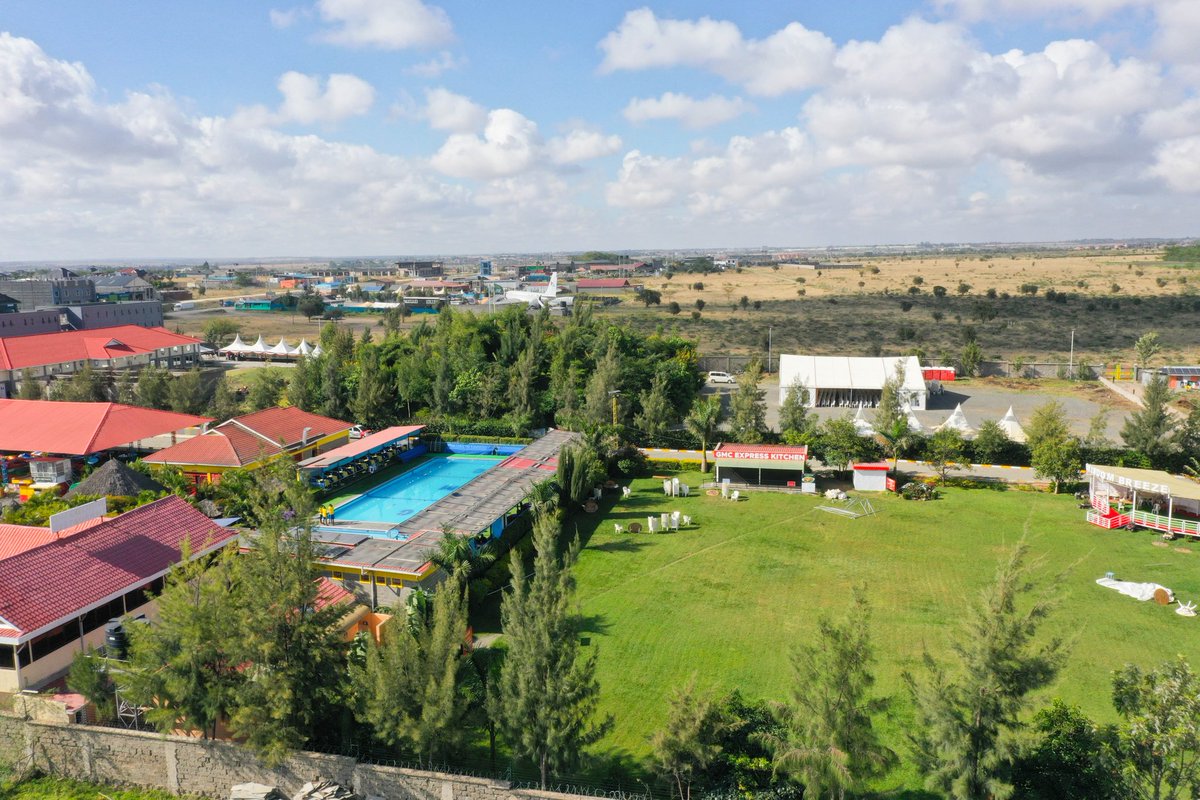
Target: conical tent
<point>958,422</point>
<point>258,347</point>
<point>1013,428</point>
<point>304,348</point>
<point>862,424</point>
<point>236,346</point>
<point>281,349</point>
<point>914,424</point>
<point>316,351</point>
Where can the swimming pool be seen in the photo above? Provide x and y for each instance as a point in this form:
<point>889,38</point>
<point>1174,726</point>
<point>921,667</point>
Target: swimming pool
<point>408,494</point>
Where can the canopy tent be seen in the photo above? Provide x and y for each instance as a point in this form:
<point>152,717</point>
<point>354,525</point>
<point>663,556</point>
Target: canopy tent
<point>236,346</point>
<point>304,348</point>
<point>316,351</point>
<point>1012,428</point>
<point>861,424</point>
<point>281,349</point>
<point>914,424</point>
<point>1150,498</point>
<point>958,422</point>
<point>842,381</point>
<point>258,347</point>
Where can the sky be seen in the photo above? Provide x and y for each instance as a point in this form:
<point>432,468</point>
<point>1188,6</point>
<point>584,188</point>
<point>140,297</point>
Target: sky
<point>138,129</point>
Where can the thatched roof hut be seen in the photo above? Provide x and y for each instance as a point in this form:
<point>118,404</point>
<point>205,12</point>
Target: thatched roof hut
<point>114,479</point>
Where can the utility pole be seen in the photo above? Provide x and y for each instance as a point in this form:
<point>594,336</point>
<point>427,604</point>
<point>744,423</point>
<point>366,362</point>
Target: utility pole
<point>613,394</point>
<point>769,329</point>
<point>1071,363</point>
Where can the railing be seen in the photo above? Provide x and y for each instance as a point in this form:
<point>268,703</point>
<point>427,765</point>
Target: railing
<point>1100,503</point>
<point>1104,521</point>
<point>1161,522</point>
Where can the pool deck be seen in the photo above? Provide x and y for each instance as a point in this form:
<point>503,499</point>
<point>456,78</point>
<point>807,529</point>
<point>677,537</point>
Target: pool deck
<point>471,509</point>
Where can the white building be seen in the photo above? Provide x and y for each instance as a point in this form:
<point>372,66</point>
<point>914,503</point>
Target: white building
<point>849,382</point>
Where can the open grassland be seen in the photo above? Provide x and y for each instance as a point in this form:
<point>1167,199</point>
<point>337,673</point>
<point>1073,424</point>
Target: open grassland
<point>726,599</point>
<point>50,788</point>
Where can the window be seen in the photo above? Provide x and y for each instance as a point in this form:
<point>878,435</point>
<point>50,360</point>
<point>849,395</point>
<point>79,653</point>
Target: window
<point>8,657</point>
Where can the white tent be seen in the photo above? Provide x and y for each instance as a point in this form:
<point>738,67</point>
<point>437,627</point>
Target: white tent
<point>842,381</point>
<point>236,346</point>
<point>914,424</point>
<point>958,422</point>
<point>258,347</point>
<point>1013,428</point>
<point>862,424</point>
<point>281,349</point>
<point>316,351</point>
<point>304,348</point>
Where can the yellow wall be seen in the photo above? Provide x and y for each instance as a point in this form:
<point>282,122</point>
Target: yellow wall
<point>212,473</point>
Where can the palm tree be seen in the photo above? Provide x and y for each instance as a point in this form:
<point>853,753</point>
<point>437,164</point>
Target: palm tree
<point>702,423</point>
<point>458,554</point>
<point>895,439</point>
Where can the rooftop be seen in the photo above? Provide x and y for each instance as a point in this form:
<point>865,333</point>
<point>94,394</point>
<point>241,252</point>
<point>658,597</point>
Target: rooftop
<point>763,452</point>
<point>250,437</point>
<point>119,341</point>
<point>49,584</point>
<point>78,429</point>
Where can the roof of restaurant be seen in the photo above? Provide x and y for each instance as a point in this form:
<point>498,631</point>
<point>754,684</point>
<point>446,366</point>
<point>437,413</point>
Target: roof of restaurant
<point>78,429</point>
<point>118,341</point>
<point>250,437</point>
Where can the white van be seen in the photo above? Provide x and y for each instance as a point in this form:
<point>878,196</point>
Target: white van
<point>721,377</point>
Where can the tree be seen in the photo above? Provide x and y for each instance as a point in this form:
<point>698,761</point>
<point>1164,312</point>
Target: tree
<point>1069,757</point>
<point>311,305</point>
<point>991,442</point>
<point>795,422</point>
<point>1048,421</point>
<point>830,744</point>
<point>962,736</point>
<point>125,390</point>
<point>187,392</point>
<point>657,412</point>
<point>1147,348</point>
<point>890,409</point>
<point>1056,460</point>
<point>1097,435</point>
<point>1160,741</point>
<point>89,677</point>
<point>154,388</point>
<point>748,407</point>
<point>266,388</point>
<point>703,422</point>
<point>370,406</point>
<point>972,354</point>
<point>547,693</point>
<point>944,452</point>
<point>304,388</point>
<point>1149,429</point>
<point>839,443</point>
<point>219,332</point>
<point>690,740</point>
<point>224,404</point>
<point>31,387</point>
<point>896,439</point>
<point>409,683</point>
<point>85,386</point>
<point>184,669</point>
<point>605,380</point>
<point>651,297</point>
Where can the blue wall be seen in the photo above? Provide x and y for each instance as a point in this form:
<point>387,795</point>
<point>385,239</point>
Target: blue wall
<point>482,448</point>
<point>414,452</point>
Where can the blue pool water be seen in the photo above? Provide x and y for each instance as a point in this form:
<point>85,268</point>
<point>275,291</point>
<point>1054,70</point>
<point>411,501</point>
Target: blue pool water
<point>415,490</point>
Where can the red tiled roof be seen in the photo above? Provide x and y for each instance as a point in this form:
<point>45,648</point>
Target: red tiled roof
<point>248,438</point>
<point>118,341</point>
<point>47,585</point>
<point>331,594</point>
<point>766,452</point>
<point>16,539</point>
<point>602,283</point>
<point>77,429</point>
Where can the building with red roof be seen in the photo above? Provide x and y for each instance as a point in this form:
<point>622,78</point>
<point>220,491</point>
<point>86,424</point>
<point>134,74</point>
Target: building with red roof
<point>251,440</point>
<point>80,429</point>
<point>57,595</point>
<point>594,284</point>
<point>760,464</point>
<point>50,355</point>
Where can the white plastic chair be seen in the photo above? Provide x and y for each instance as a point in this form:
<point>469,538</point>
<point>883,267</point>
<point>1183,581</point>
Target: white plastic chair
<point>652,524</point>
<point>685,489</point>
<point>618,528</point>
<point>625,492</point>
<point>735,496</point>
<point>675,522</point>
<point>664,520</point>
<point>1187,609</point>
<point>667,488</point>
<point>686,521</point>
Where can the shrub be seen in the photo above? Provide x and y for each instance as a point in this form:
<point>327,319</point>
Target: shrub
<point>919,490</point>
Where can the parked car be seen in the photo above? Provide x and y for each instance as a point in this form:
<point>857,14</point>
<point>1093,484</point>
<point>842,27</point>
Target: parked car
<point>721,377</point>
<point>358,432</point>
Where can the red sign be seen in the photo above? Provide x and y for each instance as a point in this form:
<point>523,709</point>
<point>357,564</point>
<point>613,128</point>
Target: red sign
<point>890,484</point>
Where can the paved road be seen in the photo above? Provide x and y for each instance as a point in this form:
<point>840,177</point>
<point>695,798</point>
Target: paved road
<point>982,471</point>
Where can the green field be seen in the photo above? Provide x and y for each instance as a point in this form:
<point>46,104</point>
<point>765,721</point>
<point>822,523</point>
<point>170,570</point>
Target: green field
<point>50,788</point>
<point>727,599</point>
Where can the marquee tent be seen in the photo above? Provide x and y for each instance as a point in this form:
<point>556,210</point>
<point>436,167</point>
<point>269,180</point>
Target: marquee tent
<point>1013,428</point>
<point>842,381</point>
<point>958,421</point>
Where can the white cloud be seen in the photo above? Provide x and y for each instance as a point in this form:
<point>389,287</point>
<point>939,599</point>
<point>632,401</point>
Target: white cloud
<point>442,62</point>
<point>285,17</point>
<point>304,100</point>
<point>447,111</point>
<point>385,24</point>
<point>509,145</point>
<point>580,145</point>
<point>791,59</point>
<point>691,112</point>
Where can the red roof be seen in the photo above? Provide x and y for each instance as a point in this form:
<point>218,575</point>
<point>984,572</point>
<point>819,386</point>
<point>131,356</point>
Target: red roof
<point>77,429</point>
<point>19,538</point>
<point>48,585</point>
<point>331,594</point>
<point>873,465</point>
<point>765,452</point>
<point>602,283</point>
<point>250,437</point>
<point>119,341</point>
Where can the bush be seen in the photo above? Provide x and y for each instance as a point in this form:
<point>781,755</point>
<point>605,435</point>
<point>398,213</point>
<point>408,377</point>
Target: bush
<point>919,490</point>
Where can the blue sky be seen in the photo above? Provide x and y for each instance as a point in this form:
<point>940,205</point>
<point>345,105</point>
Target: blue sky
<point>344,127</point>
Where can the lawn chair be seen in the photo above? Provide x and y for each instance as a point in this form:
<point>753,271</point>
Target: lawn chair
<point>652,524</point>
<point>686,521</point>
<point>1187,609</point>
<point>685,489</point>
<point>735,496</point>
<point>618,528</point>
<point>625,492</point>
<point>664,521</point>
<point>675,521</point>
<point>667,487</point>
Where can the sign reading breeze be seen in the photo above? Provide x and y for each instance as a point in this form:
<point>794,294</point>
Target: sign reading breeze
<point>73,516</point>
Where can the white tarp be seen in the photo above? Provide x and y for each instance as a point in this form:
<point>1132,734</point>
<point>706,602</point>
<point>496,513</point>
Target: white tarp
<point>817,373</point>
<point>1138,591</point>
<point>1013,428</point>
<point>957,421</point>
<point>236,346</point>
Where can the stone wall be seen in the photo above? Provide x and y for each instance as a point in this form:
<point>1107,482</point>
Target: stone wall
<point>185,765</point>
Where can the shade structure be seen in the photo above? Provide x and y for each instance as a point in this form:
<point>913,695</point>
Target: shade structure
<point>236,346</point>
<point>304,348</point>
<point>958,422</point>
<point>1013,428</point>
<point>281,349</point>
<point>914,424</point>
<point>316,351</point>
<point>861,424</point>
<point>258,347</point>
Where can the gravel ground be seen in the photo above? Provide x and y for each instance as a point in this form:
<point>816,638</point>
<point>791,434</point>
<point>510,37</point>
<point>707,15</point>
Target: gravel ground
<point>980,401</point>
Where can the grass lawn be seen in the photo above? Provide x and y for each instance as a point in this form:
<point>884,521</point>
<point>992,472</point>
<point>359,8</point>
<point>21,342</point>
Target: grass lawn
<point>728,598</point>
<point>51,788</point>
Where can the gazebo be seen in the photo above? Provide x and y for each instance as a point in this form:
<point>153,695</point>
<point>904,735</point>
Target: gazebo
<point>1122,496</point>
